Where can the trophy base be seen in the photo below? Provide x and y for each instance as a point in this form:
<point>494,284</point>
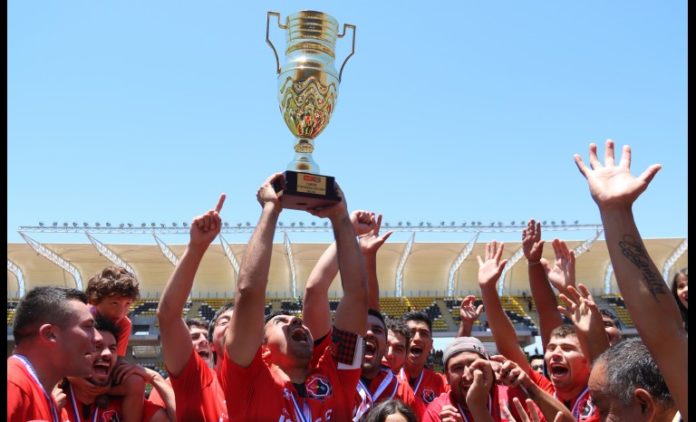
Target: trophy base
<point>303,191</point>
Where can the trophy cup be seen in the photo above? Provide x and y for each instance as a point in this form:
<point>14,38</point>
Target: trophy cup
<point>307,92</point>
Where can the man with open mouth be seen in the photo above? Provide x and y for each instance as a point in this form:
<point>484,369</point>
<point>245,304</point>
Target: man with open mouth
<point>84,403</point>
<point>426,383</point>
<point>273,370</point>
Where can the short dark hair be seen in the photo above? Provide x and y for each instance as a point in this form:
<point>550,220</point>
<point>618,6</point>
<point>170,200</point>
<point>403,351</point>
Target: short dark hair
<point>398,326</point>
<point>419,316</point>
<point>629,365</point>
<point>536,356</point>
<point>378,314</point>
<point>563,330</point>
<point>197,322</point>
<point>684,311</point>
<point>380,412</point>
<point>211,327</point>
<point>43,305</point>
<point>273,315</point>
<point>105,324</point>
<point>112,281</point>
<point>610,314</point>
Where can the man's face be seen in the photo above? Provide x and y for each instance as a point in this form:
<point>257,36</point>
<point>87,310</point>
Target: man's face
<point>199,339</point>
<point>104,359</point>
<point>77,340</point>
<point>613,332</point>
<point>219,328</point>
<point>420,345</point>
<point>114,308</point>
<point>375,345</point>
<point>537,365</point>
<point>459,375</point>
<point>287,336</point>
<point>566,364</point>
<point>609,406</point>
<point>395,355</point>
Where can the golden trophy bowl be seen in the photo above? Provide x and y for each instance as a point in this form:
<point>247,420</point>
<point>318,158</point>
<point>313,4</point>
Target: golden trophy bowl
<point>307,92</point>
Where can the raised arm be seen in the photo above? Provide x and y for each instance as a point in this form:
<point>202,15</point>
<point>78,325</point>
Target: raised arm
<point>468,314</point>
<point>370,241</point>
<point>503,331</point>
<point>351,315</point>
<point>543,295</point>
<point>244,333</point>
<point>176,339</point>
<point>644,291</point>
<point>561,276</point>
<point>316,313</point>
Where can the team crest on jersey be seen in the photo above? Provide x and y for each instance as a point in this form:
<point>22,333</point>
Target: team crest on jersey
<point>109,416</point>
<point>428,395</point>
<point>318,387</point>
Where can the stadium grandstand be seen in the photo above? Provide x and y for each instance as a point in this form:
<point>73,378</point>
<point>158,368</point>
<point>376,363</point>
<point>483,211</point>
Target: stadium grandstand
<point>413,275</point>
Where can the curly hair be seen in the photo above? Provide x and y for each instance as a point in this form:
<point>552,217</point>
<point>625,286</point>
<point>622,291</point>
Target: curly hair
<point>112,281</point>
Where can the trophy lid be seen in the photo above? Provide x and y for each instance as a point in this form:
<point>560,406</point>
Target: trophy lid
<point>310,24</point>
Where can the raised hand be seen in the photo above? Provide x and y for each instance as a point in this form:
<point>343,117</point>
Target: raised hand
<point>508,372</point>
<point>206,227</point>
<point>371,241</point>
<point>477,395</point>
<point>532,245</point>
<point>492,267</point>
<point>468,312</point>
<point>335,211</point>
<point>611,185</point>
<point>562,274</point>
<point>266,194</point>
<point>581,309</point>
<point>363,221</point>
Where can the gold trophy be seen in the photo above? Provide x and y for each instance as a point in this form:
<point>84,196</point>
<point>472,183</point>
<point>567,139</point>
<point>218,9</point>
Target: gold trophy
<point>307,92</point>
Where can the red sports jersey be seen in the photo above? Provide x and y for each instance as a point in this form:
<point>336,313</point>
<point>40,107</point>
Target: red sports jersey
<point>198,394</point>
<point>261,392</point>
<point>124,331</point>
<point>383,387</point>
<point>427,386</point>
<point>500,405</point>
<point>26,398</point>
<point>78,412</point>
<point>581,407</point>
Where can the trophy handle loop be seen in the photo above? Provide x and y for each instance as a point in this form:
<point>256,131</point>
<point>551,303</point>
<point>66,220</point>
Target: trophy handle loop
<point>268,39</point>
<point>352,49</point>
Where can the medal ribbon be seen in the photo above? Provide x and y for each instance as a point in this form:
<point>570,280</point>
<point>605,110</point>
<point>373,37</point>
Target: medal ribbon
<point>576,406</point>
<point>466,418</point>
<point>420,378</point>
<point>368,399</point>
<point>304,415</point>
<point>74,406</point>
<point>32,372</point>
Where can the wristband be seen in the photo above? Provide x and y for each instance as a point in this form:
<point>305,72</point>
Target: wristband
<point>530,263</point>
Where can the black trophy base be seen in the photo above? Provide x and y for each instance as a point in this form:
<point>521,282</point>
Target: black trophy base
<point>303,191</point>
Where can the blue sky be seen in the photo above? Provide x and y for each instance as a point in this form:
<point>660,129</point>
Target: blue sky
<point>137,111</point>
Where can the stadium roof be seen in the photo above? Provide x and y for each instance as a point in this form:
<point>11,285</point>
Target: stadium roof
<point>425,270</point>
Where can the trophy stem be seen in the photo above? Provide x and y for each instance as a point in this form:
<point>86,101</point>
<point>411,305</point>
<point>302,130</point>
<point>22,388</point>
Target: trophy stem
<point>303,161</point>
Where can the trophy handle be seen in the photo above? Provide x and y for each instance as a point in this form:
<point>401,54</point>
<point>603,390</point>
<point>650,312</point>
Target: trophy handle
<point>268,39</point>
<point>352,49</point>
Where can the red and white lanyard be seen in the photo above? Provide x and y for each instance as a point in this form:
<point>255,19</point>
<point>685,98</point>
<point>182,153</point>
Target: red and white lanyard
<point>368,399</point>
<point>35,377</point>
<point>576,407</point>
<point>420,378</point>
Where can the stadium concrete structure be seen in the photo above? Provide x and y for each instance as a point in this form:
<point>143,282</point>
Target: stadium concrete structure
<point>413,275</point>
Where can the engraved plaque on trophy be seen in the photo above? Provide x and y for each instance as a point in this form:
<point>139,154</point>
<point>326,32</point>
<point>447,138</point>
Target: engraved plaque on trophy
<point>307,92</point>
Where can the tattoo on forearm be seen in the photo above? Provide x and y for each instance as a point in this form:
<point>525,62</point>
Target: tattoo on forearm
<point>633,250</point>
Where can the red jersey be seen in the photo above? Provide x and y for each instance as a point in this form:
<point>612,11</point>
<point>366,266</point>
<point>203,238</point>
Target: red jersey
<point>198,394</point>
<point>261,392</point>
<point>427,386</point>
<point>124,331</point>
<point>26,398</point>
<point>500,405</point>
<point>581,407</point>
<point>78,411</point>
<point>383,387</point>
